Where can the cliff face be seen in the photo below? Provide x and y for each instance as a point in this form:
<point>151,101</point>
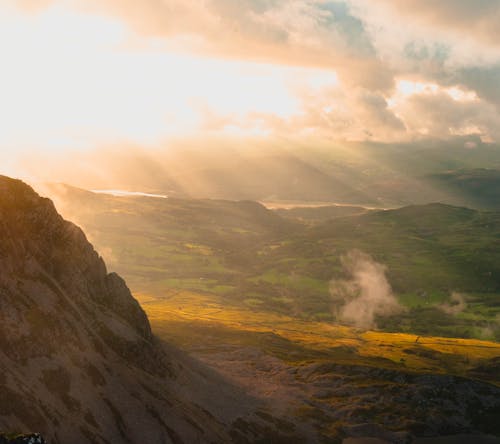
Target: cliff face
<point>78,362</point>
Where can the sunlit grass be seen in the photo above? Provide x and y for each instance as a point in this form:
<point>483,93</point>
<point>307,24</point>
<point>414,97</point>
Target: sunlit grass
<point>202,323</point>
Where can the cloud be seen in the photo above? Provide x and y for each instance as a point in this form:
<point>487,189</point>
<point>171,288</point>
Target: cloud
<point>366,295</point>
<point>369,46</point>
<point>456,306</point>
<point>484,80</point>
<point>359,114</point>
<point>292,32</point>
<point>452,43</point>
<point>368,50</point>
<point>478,18</point>
<point>438,115</point>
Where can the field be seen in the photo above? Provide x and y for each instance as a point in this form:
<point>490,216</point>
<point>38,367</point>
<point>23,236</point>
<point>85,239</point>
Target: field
<point>204,324</point>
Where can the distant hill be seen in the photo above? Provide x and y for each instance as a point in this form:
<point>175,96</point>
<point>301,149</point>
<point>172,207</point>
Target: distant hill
<point>434,246</point>
<point>319,213</point>
<point>279,176</point>
<point>478,188</point>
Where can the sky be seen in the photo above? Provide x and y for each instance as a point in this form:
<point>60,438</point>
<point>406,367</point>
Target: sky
<point>79,75</point>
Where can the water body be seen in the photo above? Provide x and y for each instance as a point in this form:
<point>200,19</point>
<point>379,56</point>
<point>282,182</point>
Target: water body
<point>291,205</point>
<point>123,193</point>
<point>288,205</point>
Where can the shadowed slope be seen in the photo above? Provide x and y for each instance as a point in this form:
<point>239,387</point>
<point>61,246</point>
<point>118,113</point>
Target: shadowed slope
<point>78,361</point>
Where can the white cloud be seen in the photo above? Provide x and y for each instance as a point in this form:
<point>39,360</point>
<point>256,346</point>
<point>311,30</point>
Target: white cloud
<point>365,295</point>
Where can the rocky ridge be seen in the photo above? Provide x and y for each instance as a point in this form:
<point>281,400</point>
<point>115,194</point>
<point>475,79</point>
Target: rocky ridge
<point>78,361</point>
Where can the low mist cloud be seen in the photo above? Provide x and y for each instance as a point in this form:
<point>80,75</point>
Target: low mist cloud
<point>366,295</point>
<point>70,203</point>
<point>456,305</point>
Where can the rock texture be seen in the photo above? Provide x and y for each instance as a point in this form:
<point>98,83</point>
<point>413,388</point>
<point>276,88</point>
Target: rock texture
<point>34,438</point>
<point>78,362</point>
<point>341,401</point>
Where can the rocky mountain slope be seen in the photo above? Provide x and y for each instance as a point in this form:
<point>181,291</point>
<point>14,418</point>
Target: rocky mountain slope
<point>78,361</point>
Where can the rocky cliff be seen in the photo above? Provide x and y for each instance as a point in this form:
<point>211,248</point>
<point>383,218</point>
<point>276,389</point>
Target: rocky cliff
<point>78,362</point>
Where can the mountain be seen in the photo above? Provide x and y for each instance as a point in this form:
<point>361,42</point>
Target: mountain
<point>78,360</point>
<point>318,213</point>
<point>279,176</point>
<point>476,188</point>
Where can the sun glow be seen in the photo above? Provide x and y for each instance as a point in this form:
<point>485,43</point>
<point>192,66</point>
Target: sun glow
<point>73,80</point>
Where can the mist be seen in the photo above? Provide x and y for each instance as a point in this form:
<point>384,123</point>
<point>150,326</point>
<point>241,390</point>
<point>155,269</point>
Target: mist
<point>456,305</point>
<point>365,295</point>
<point>82,213</point>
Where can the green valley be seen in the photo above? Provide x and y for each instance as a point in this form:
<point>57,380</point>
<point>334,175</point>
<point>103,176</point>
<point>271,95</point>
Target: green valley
<point>252,257</point>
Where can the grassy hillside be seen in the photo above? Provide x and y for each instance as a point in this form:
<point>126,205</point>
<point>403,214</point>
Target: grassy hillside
<point>433,248</point>
<point>430,252</point>
<point>478,188</point>
<point>253,258</point>
<point>202,323</point>
<point>313,214</point>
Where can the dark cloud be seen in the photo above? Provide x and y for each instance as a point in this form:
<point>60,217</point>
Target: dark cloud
<point>484,80</point>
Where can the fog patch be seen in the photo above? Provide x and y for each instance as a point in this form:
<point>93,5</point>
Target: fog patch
<point>365,295</point>
<point>456,305</point>
<point>59,194</point>
<point>62,197</point>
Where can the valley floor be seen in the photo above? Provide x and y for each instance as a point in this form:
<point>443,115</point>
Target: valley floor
<point>329,383</point>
